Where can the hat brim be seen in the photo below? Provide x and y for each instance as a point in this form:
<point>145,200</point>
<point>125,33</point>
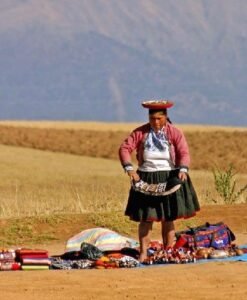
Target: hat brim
<point>157,104</point>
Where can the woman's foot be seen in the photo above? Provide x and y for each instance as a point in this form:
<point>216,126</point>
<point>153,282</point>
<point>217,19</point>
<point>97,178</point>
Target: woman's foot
<point>143,257</point>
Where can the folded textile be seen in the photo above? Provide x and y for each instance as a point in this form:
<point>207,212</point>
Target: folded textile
<point>24,251</point>
<point>6,261</point>
<point>23,254</point>
<point>7,255</point>
<point>34,267</point>
<point>10,266</point>
<point>36,256</point>
<point>114,260</point>
<point>103,238</point>
<point>61,264</point>
<point>124,261</point>
<point>33,261</point>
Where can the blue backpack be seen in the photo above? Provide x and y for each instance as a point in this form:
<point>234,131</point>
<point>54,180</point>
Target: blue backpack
<point>217,236</point>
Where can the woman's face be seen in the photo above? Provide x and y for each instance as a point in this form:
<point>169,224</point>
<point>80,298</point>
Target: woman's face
<point>157,120</point>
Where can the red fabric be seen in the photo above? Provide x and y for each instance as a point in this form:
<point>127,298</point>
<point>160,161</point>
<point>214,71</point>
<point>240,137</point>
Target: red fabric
<point>157,245</point>
<point>28,252</point>
<point>33,256</point>
<point>115,255</point>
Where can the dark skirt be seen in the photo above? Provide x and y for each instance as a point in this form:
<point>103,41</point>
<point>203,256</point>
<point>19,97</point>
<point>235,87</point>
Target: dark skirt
<point>181,204</point>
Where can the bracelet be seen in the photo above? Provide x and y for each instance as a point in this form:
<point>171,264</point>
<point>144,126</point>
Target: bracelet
<point>185,170</point>
<point>128,168</point>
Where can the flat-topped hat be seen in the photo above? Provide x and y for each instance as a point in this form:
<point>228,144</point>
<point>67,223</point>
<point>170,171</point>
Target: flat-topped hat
<point>157,104</point>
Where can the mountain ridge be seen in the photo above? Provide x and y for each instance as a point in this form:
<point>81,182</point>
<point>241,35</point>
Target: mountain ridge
<point>87,60</point>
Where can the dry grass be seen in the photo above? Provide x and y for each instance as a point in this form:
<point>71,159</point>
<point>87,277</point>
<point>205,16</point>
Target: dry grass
<point>113,126</point>
<point>38,183</point>
<point>34,182</point>
<point>46,196</point>
<point>208,148</point>
<point>96,126</point>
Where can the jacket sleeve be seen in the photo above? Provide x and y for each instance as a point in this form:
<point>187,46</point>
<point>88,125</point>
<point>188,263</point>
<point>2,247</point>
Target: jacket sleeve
<point>181,150</point>
<point>127,147</point>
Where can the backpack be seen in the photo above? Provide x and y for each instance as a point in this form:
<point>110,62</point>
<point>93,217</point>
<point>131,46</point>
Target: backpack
<point>208,235</point>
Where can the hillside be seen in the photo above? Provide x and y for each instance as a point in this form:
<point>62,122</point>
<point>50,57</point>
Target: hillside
<point>96,60</point>
<point>209,147</point>
<point>46,198</point>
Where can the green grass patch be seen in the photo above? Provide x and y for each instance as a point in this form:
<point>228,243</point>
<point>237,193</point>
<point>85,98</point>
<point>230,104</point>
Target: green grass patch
<point>20,231</point>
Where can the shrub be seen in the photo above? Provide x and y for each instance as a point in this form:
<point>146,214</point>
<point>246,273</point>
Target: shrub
<point>225,185</point>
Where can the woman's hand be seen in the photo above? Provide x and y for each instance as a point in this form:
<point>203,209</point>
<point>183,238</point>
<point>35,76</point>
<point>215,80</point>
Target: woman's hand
<point>182,176</point>
<point>133,175</point>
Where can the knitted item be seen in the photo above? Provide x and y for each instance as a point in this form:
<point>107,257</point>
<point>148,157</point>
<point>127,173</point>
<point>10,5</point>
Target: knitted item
<point>158,189</point>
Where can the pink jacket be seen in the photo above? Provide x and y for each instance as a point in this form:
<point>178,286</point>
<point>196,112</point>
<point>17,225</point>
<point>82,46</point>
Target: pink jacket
<point>179,150</point>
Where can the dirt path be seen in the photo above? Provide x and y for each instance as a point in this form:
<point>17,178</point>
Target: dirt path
<point>219,280</point>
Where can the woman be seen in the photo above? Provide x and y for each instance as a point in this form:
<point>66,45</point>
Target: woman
<point>161,187</point>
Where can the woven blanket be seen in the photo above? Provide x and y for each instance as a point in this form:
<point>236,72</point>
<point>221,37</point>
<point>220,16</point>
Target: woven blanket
<point>23,251</point>
<point>33,261</point>
<point>102,238</point>
<point>33,267</point>
<point>34,256</point>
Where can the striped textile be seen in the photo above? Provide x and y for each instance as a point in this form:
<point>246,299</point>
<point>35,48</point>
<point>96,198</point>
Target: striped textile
<point>34,267</point>
<point>102,238</point>
<point>36,261</point>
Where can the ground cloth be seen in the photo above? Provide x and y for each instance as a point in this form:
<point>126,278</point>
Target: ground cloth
<point>242,258</point>
<point>231,258</point>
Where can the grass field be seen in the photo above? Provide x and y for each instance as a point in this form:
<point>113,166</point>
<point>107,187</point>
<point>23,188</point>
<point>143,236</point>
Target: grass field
<point>209,146</point>
<point>36,183</point>
<point>102,126</point>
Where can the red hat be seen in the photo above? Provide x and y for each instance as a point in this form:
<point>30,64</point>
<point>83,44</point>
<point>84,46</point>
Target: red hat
<point>157,104</point>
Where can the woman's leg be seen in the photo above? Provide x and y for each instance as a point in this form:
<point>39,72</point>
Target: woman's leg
<point>168,233</point>
<point>144,238</point>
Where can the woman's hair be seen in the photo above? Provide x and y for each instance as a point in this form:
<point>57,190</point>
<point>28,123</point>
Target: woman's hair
<point>162,111</point>
<point>154,111</point>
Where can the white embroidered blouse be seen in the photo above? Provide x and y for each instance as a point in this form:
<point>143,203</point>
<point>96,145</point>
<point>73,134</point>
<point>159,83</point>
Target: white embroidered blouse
<point>156,153</point>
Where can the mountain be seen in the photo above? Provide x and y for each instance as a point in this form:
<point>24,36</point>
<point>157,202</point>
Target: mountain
<point>97,60</point>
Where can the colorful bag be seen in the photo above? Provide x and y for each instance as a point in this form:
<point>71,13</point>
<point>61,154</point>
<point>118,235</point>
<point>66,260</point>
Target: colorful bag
<point>217,236</point>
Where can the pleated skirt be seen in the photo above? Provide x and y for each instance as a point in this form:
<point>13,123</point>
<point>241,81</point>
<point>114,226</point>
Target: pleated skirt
<point>181,204</point>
